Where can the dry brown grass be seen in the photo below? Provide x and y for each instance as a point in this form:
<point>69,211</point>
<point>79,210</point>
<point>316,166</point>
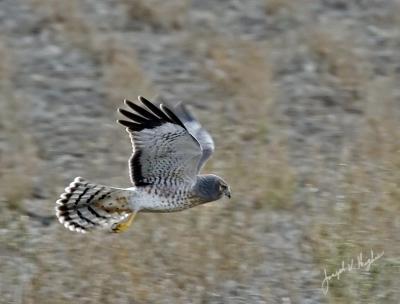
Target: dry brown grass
<point>174,257</point>
<point>18,167</point>
<point>238,68</point>
<point>18,155</point>
<point>123,77</point>
<point>273,7</point>
<point>240,71</point>
<point>338,55</point>
<point>158,14</point>
<point>68,20</point>
<point>187,257</point>
<point>260,175</point>
<point>122,74</point>
<point>171,257</point>
<point>363,217</point>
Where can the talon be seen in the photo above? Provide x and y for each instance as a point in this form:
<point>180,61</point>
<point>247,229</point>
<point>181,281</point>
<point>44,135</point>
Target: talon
<point>124,225</point>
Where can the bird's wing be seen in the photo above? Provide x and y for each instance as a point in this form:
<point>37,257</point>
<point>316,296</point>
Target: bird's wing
<point>195,129</point>
<point>163,148</point>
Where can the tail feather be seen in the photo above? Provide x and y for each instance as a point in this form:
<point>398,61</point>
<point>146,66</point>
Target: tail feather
<point>85,206</point>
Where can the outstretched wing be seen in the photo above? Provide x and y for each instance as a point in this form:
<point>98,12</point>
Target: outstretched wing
<point>197,131</point>
<point>194,127</point>
<point>163,149</point>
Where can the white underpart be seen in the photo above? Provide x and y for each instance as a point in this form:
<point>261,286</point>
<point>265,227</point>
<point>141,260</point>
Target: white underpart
<point>140,200</point>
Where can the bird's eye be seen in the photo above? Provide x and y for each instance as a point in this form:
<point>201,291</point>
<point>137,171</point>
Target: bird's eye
<point>222,188</point>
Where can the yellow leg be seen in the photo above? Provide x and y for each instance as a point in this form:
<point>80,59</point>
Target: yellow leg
<point>124,225</point>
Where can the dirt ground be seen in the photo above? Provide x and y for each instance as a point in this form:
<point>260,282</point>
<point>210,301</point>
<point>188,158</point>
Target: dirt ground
<point>303,101</point>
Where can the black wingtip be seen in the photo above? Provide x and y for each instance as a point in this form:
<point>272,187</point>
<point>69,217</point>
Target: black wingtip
<point>133,117</point>
<point>147,116</point>
<point>127,102</point>
<point>130,125</point>
<point>124,122</point>
<point>142,99</point>
<point>147,103</point>
<point>172,115</point>
<point>154,109</point>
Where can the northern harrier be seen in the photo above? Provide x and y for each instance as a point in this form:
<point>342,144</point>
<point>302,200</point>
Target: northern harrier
<point>169,149</point>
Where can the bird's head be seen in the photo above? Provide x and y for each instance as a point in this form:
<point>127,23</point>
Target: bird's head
<point>211,187</point>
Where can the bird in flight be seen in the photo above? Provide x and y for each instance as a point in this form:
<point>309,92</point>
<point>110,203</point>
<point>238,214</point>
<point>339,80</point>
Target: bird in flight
<point>170,148</point>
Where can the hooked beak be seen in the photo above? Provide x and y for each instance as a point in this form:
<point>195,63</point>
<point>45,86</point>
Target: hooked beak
<point>227,192</point>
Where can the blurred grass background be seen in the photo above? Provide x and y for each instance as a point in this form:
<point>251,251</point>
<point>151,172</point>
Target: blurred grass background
<point>302,99</point>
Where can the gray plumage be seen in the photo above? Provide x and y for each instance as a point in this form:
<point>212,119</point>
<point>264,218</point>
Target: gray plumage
<point>170,147</point>
<point>207,188</point>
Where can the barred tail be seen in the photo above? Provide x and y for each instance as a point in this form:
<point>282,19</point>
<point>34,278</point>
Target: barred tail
<point>85,206</point>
